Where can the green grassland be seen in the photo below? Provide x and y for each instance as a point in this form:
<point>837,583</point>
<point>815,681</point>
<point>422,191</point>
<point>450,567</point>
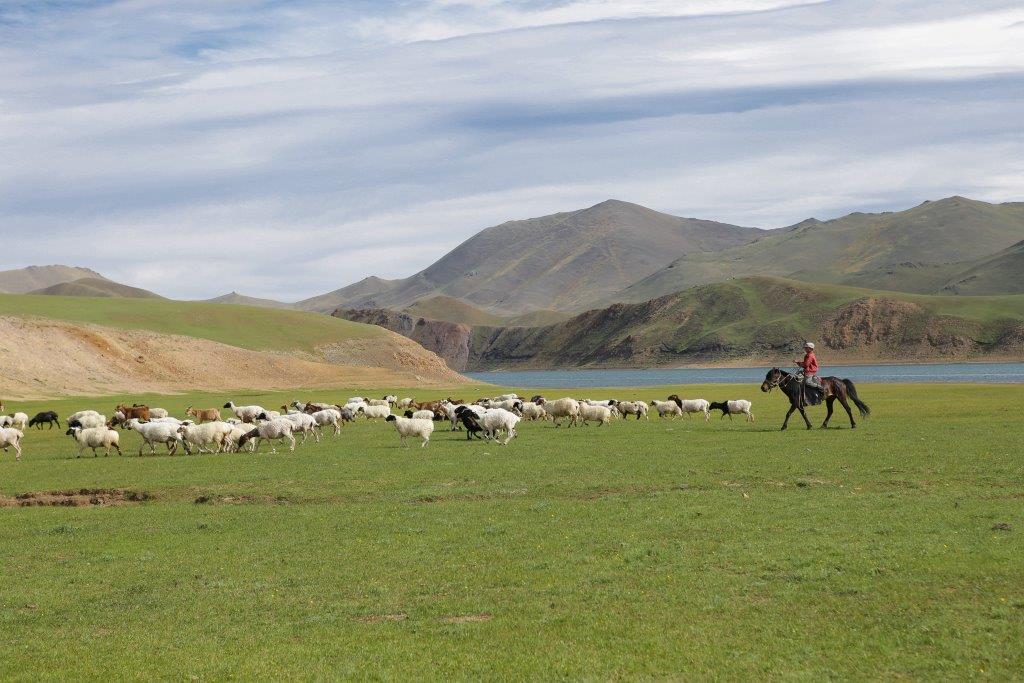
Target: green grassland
<point>638,550</point>
<point>248,327</point>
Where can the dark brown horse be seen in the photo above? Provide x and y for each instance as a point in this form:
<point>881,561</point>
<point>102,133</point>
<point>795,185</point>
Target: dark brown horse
<point>833,388</point>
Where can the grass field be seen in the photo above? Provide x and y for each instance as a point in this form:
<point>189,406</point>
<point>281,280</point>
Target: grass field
<point>248,327</point>
<point>639,550</point>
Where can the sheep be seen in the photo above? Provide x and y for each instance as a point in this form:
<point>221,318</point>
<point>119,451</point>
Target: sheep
<point>600,414</point>
<point>411,426</point>
<point>274,430</point>
<point>533,411</point>
<point>562,408</point>
<point>470,420</point>
<point>420,414</point>
<point>6,420</point>
<point>156,413</point>
<point>509,404</point>
<point>694,405</point>
<point>607,403</point>
<point>638,408</point>
<point>202,435</point>
<point>391,399</point>
<point>19,421</point>
<point>153,433</point>
<point>330,416</point>
<point>404,403</point>
<point>303,422</point>
<point>497,420</point>
<point>203,414</point>
<point>45,417</point>
<point>88,421</point>
<point>506,397</point>
<point>232,439</point>
<point>95,437</point>
<point>448,408</point>
<point>667,408</point>
<point>373,412</point>
<point>357,399</point>
<point>81,413</point>
<point>11,438</point>
<point>347,414</point>
<point>731,408</point>
<point>268,415</point>
<point>167,420</point>
<point>247,414</point>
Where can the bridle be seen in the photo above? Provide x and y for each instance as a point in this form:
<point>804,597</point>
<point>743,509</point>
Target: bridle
<point>782,380</point>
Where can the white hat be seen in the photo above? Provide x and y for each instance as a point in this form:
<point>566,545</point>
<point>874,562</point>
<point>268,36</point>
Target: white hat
<point>808,345</point>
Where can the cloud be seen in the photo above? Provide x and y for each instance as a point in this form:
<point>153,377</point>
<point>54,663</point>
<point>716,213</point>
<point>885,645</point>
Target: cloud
<point>286,149</point>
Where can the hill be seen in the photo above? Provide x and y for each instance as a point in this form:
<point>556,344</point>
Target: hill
<point>236,299</point>
<point>916,250</point>
<point>1003,272</point>
<point>96,286</point>
<point>758,319</point>
<point>23,280</point>
<point>565,261</point>
<point>58,345</point>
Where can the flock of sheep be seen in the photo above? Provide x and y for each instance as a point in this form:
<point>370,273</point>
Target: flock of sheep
<point>203,430</point>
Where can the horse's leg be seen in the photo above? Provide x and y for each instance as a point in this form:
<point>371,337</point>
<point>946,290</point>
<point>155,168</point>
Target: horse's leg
<point>846,405</point>
<point>792,409</point>
<point>803,413</point>
<point>828,416</point>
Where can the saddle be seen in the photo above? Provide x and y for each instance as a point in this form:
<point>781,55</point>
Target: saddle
<point>811,389</point>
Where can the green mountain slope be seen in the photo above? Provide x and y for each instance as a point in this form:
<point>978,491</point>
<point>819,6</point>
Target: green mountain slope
<point>1003,272</point>
<point>242,300</point>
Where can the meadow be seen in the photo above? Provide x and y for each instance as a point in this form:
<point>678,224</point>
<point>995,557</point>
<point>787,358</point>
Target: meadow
<point>667,549</point>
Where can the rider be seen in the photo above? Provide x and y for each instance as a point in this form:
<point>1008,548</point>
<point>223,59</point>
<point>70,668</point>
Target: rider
<point>809,366</point>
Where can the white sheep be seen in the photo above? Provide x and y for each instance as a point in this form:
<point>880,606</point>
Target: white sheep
<point>157,413</point>
<point>11,438</point>
<point>563,408</point>
<point>533,411</point>
<point>667,408</point>
<point>272,431</point>
<point>506,397</point>
<point>595,413</point>
<point>497,420</point>
<point>694,405</point>
<point>730,408</point>
<point>421,415</point>
<point>89,421</point>
<point>373,412</point>
<point>19,421</point>
<point>153,433</point>
<point>203,435</point>
<point>237,432</point>
<point>247,414</point>
<point>330,416</point>
<point>391,399</point>
<point>95,437</point>
<point>404,403</point>
<point>638,408</point>
<point>411,426</point>
<point>81,413</point>
<point>303,422</point>
<point>167,420</point>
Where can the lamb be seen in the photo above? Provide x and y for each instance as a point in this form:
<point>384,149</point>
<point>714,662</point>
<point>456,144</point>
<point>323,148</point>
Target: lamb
<point>95,437</point>
<point>693,405</point>
<point>153,433</point>
<point>533,411</point>
<point>303,422</point>
<point>731,408</point>
<point>420,414</point>
<point>47,417</point>
<point>391,399</point>
<point>638,408</point>
<point>19,421</point>
<point>563,408</point>
<point>88,421</point>
<point>667,408</point>
<point>597,413</point>
<point>373,412</point>
<point>237,432</point>
<point>204,414</point>
<point>274,430</point>
<point>330,416</point>
<point>608,403</point>
<point>11,438</point>
<point>203,435</point>
<point>246,414</point>
<point>411,426</point>
<point>499,420</point>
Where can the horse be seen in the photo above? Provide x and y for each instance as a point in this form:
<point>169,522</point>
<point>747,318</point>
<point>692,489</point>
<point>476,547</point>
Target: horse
<point>832,388</point>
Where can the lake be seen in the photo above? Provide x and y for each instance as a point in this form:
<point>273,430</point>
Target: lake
<point>950,372</point>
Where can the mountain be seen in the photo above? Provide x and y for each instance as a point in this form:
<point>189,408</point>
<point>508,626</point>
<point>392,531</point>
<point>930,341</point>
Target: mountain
<point>1001,273</point>
<point>753,320</point>
<point>96,286</point>
<point>914,250</point>
<point>241,300</point>
<point>447,309</point>
<point>23,280</point>
<point>565,261</point>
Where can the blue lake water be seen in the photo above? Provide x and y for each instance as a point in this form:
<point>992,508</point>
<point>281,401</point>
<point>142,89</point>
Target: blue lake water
<point>953,372</point>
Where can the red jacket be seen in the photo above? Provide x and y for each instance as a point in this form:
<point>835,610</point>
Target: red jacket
<point>809,363</point>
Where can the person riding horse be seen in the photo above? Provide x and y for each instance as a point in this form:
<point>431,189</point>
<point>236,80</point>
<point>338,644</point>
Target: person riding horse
<point>809,367</point>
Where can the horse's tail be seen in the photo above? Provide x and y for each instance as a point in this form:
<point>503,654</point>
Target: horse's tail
<point>851,391</point>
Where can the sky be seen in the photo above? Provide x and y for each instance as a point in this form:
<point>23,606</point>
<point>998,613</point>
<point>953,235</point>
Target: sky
<point>287,148</point>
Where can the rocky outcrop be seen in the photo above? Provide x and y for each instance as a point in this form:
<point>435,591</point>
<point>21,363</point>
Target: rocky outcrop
<point>448,340</point>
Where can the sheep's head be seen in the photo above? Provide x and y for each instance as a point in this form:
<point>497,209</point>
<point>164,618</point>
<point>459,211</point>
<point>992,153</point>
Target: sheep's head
<point>391,418</point>
<point>228,404</point>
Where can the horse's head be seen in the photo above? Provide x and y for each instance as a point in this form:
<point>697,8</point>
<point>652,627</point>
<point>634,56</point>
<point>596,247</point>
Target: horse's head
<point>772,379</point>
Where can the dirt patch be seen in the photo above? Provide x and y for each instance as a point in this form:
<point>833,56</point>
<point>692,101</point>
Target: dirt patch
<point>58,358</point>
<point>467,618</point>
<point>379,618</point>
<point>79,498</point>
<point>1002,526</point>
